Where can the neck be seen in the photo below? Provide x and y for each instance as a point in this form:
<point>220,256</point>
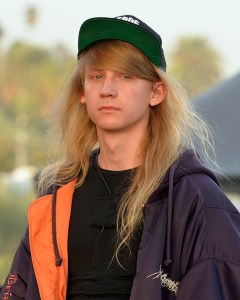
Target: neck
<point>119,152</point>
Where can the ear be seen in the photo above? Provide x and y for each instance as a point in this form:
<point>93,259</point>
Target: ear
<point>159,93</point>
<point>82,99</point>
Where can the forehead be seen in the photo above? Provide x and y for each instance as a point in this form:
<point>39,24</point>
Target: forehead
<point>114,63</point>
<point>110,53</point>
<point>94,69</point>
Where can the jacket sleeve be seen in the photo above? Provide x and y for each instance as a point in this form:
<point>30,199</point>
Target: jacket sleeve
<point>211,279</point>
<point>15,286</point>
<point>210,247</point>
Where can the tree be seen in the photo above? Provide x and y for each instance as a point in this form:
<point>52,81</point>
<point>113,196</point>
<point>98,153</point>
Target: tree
<point>12,203</point>
<point>30,80</point>
<point>31,16</point>
<point>196,64</point>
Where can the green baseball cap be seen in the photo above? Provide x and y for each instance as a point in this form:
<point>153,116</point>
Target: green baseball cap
<point>125,28</point>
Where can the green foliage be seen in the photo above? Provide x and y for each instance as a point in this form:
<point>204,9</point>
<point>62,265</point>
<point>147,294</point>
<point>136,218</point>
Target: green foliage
<point>13,222</point>
<point>6,142</point>
<point>30,79</point>
<point>196,64</point>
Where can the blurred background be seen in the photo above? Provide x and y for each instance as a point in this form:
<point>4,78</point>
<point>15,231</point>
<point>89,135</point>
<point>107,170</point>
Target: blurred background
<point>38,47</point>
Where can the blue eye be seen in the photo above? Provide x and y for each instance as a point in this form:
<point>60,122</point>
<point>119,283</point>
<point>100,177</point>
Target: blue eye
<point>126,76</point>
<point>98,76</point>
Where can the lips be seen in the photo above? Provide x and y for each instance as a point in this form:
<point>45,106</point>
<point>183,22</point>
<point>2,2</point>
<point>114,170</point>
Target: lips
<point>109,108</point>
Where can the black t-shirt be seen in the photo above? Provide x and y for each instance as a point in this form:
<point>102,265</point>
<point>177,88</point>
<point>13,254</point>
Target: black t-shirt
<point>93,271</point>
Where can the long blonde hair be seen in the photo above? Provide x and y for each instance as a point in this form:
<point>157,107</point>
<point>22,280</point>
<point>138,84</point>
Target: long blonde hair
<point>173,126</point>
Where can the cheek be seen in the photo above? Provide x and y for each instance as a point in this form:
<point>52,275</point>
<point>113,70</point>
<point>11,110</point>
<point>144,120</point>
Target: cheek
<point>91,110</point>
<point>144,99</point>
<point>89,107</point>
<point>145,93</point>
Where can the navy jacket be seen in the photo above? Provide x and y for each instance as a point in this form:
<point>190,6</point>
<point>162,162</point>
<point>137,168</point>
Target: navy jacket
<point>190,247</point>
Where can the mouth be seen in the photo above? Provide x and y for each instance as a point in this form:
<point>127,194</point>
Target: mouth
<point>106,108</point>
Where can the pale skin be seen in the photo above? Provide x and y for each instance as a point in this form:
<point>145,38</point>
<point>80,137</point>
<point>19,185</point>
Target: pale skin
<point>119,105</point>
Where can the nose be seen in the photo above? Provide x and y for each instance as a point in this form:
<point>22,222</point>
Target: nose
<point>109,88</point>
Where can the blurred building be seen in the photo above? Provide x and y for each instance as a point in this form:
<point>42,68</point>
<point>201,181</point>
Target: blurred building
<point>220,106</point>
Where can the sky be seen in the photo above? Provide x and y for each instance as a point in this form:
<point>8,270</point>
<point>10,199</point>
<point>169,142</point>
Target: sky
<point>59,22</point>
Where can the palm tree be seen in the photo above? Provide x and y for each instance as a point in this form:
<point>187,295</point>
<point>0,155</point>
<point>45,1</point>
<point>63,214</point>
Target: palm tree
<point>31,16</point>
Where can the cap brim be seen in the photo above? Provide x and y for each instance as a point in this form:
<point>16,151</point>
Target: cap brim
<point>97,29</point>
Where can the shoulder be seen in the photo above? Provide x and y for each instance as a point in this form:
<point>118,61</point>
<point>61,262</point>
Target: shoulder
<point>208,217</point>
<point>201,189</point>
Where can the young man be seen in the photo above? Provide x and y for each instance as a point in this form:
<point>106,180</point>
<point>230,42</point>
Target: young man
<point>129,211</point>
